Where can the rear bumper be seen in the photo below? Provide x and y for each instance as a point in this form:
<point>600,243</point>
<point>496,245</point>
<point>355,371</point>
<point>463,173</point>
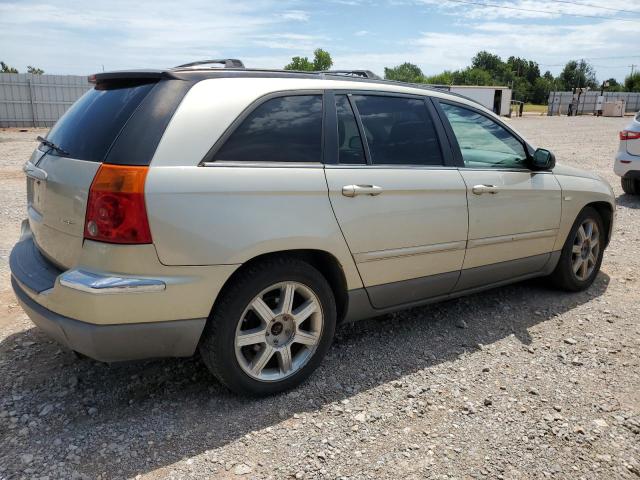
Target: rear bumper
<point>627,165</point>
<point>119,302</point>
<point>110,343</point>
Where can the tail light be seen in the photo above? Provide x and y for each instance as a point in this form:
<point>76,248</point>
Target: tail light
<point>116,212</point>
<point>629,135</point>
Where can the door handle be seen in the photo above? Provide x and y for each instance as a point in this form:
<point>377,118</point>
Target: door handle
<point>353,190</point>
<point>480,189</point>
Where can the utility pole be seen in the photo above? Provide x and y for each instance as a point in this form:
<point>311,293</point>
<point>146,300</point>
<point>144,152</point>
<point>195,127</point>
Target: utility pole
<point>633,67</point>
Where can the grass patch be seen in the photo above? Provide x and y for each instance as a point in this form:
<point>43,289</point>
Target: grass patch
<point>531,107</point>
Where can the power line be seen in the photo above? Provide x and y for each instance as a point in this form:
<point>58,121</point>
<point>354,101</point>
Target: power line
<point>612,58</point>
<point>591,5</point>
<point>468,2</point>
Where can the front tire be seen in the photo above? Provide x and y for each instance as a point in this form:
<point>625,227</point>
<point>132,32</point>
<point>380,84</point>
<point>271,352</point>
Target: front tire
<point>582,253</point>
<point>630,186</point>
<point>271,327</point>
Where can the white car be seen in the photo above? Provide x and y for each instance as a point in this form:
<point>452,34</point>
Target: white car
<point>627,163</point>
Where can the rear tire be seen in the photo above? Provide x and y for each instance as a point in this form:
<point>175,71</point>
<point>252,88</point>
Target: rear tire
<point>582,253</point>
<point>270,328</point>
<point>631,186</point>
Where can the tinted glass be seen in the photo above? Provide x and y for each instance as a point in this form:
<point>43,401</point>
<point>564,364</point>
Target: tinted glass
<point>484,142</point>
<point>90,126</point>
<point>283,129</point>
<point>349,141</point>
<point>399,131</point>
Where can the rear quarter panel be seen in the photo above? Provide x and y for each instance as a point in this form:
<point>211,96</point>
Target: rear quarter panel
<point>229,215</point>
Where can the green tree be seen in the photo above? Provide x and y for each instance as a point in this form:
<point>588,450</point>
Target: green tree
<point>444,78</point>
<point>472,76</point>
<point>321,61</point>
<point>484,60</point>
<point>632,82</point>
<point>521,67</point>
<point>521,89</point>
<point>578,73</point>
<point>407,72</point>
<point>4,68</point>
<point>548,76</point>
<point>614,85</point>
<point>300,63</point>
<point>540,91</point>
<point>34,70</point>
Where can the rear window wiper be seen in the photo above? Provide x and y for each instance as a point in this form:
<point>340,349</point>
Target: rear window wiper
<point>52,145</point>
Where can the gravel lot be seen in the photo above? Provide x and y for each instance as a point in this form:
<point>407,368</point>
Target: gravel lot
<point>518,382</point>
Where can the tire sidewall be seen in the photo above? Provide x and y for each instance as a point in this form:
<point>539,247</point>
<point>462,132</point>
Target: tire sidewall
<point>227,318</point>
<point>630,186</point>
<point>572,282</point>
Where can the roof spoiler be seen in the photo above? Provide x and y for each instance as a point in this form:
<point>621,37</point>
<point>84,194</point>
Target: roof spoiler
<point>128,75</point>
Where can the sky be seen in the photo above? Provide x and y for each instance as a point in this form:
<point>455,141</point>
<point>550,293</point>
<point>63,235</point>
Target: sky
<point>83,37</point>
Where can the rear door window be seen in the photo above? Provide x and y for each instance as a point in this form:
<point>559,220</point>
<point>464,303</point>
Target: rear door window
<point>88,129</point>
<point>350,149</point>
<point>282,129</point>
<point>399,130</point>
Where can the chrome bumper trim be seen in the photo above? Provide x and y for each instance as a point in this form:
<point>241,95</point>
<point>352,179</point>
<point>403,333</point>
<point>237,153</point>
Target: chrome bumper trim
<point>104,285</point>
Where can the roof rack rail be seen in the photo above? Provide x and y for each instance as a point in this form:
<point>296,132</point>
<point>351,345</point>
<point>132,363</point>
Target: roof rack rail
<point>227,62</point>
<point>353,73</point>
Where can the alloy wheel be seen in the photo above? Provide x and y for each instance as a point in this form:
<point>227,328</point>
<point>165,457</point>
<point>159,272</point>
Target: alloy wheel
<point>279,331</point>
<point>585,250</point>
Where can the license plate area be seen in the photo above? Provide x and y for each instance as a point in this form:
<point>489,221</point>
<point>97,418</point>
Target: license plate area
<point>36,194</point>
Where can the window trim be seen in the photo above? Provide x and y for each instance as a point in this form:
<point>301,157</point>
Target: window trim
<point>455,147</point>
<point>446,153</point>
<point>208,159</point>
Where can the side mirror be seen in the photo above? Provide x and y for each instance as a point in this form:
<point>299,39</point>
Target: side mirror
<point>543,160</point>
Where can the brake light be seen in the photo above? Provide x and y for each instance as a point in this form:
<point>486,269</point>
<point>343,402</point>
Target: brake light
<point>629,135</point>
<point>116,212</point>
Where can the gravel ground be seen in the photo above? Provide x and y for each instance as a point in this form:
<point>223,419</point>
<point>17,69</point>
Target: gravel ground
<point>518,382</point>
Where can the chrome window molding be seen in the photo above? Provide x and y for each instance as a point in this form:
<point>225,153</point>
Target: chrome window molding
<point>232,164</point>
<point>391,167</point>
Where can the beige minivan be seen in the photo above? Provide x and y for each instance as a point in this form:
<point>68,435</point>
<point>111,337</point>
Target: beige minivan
<point>245,213</point>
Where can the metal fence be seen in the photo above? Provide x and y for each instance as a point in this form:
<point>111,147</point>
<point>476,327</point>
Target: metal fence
<point>559,101</point>
<point>28,100</point>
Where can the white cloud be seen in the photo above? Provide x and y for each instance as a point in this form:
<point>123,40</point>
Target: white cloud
<point>298,15</point>
<point>290,41</point>
<point>75,36</point>
<point>80,37</point>
<point>530,9</point>
<point>550,45</point>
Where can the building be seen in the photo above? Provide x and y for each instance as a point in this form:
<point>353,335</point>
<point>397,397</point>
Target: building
<point>495,98</point>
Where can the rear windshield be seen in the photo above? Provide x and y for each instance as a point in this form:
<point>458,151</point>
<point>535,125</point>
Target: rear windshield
<point>89,127</point>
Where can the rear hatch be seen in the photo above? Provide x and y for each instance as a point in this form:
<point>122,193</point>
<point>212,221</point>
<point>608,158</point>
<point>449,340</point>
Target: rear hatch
<point>58,180</point>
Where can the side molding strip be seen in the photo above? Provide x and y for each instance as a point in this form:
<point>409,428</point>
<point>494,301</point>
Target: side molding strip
<point>481,242</point>
<point>409,251</point>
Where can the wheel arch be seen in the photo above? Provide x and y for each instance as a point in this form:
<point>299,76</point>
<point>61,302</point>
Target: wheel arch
<point>323,261</point>
<point>605,209</point>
